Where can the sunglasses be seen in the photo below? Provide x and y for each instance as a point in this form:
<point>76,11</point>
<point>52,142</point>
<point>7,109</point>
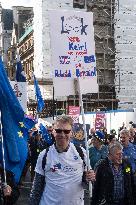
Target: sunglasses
<point>58,131</point>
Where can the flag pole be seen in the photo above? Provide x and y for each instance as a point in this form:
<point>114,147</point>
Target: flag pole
<point>36,114</point>
<point>38,97</point>
<point>3,154</point>
<point>85,135</point>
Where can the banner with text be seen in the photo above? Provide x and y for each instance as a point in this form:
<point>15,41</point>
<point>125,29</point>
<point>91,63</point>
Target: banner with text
<point>73,51</point>
<point>74,112</point>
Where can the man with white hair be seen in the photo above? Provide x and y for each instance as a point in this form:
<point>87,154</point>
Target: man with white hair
<point>114,183</point>
<point>129,149</point>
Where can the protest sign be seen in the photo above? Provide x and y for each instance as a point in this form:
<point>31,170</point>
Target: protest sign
<point>73,52</point>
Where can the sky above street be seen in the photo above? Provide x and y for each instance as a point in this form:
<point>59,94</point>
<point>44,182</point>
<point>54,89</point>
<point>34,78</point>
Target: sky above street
<point>9,3</point>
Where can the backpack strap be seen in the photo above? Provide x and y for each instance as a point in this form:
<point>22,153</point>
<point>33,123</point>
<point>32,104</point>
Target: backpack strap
<point>44,158</point>
<point>81,154</point>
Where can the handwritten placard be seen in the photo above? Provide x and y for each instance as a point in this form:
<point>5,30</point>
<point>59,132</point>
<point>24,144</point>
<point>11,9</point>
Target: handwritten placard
<point>73,50</point>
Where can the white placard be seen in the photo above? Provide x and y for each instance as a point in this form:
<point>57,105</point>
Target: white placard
<point>20,89</point>
<point>73,51</point>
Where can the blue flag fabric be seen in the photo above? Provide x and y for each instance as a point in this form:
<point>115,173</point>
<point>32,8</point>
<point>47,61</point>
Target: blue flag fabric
<point>28,123</point>
<point>19,73</point>
<point>40,101</point>
<point>14,132</point>
<point>45,134</point>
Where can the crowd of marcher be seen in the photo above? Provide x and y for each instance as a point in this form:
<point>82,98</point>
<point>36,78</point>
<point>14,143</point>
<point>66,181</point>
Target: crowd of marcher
<point>59,170</point>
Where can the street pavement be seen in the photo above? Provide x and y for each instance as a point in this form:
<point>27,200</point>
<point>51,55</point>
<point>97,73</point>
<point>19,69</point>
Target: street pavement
<point>25,189</point>
<point>24,194</point>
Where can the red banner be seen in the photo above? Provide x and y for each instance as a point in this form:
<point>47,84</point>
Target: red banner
<point>99,121</point>
<point>74,112</point>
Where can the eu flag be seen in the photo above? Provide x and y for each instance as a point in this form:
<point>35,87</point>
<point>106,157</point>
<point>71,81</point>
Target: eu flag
<point>28,123</point>
<point>20,77</point>
<point>40,101</point>
<point>14,131</point>
<point>45,134</point>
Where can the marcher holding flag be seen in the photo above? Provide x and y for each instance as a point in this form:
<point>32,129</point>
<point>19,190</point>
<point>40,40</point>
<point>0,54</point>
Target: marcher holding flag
<point>40,101</point>
<point>60,170</point>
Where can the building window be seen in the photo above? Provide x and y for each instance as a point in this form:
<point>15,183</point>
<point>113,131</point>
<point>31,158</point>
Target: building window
<point>26,46</point>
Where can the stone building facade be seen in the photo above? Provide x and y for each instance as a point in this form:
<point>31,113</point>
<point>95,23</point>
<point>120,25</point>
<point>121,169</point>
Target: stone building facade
<point>125,59</point>
<point>6,21</point>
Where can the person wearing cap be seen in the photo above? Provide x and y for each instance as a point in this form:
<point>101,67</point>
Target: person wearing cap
<point>114,183</point>
<point>98,151</point>
<point>59,181</point>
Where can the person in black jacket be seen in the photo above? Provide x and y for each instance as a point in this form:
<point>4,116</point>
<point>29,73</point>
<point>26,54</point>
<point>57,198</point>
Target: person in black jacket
<point>36,145</point>
<point>114,183</point>
<point>9,191</point>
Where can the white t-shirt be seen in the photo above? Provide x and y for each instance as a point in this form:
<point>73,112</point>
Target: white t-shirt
<point>63,175</point>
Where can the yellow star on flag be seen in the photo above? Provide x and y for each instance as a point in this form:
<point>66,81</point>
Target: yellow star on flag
<point>21,124</point>
<point>20,134</point>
